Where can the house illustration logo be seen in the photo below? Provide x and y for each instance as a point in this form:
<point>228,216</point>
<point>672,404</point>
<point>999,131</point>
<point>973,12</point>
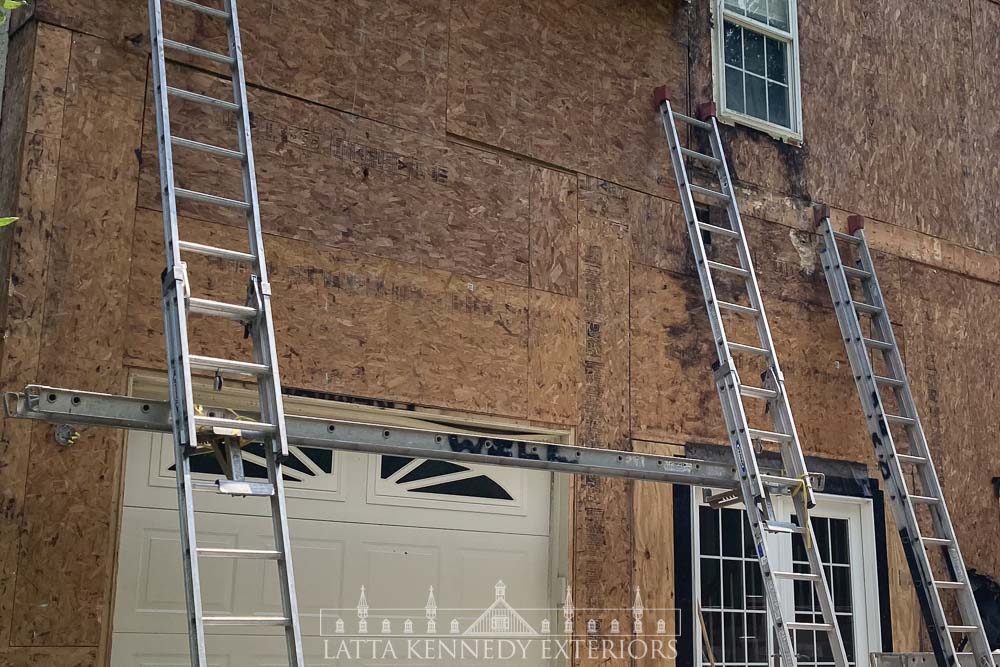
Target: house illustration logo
<point>500,631</point>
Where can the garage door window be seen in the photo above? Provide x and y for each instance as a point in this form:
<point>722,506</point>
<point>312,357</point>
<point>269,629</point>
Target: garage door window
<point>440,478</point>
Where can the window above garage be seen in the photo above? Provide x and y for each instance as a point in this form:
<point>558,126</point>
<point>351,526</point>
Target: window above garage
<point>756,55</point>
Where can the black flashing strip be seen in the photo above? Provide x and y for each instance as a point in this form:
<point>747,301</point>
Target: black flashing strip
<point>882,564</point>
<point>684,574</point>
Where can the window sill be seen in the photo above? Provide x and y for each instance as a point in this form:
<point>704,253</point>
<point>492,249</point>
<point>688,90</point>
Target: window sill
<point>774,131</point>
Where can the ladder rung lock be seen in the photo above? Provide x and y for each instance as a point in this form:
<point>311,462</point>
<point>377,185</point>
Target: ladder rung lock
<point>266,554</point>
<point>758,392</point>
<point>749,349</point>
<point>924,500</point>
<point>245,620</point>
<point>768,436</point>
<point>877,344</point>
<point>206,198</point>
<point>852,272</point>
<point>221,253</point>
<point>823,627</point>
<point>238,424</point>
<point>847,238</point>
<point>936,541</point>
<point>954,585</point>
<point>862,307</point>
<point>207,148</point>
<point>199,52</point>
<point>202,99</point>
<point>197,7</point>
<point>736,308</point>
<point>797,576</point>
<point>701,157</point>
<point>692,121</point>
<point>914,460</point>
<point>220,309</point>
<point>881,379</point>
<point>214,364</point>
<point>728,268</point>
<point>898,419</point>
<point>706,192</point>
<point>718,231</point>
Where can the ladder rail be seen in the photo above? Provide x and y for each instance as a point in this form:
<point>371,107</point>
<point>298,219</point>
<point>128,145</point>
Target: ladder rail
<point>756,501</point>
<point>890,463</point>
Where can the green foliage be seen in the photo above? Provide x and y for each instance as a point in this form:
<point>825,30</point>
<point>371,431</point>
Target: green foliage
<point>7,6</point>
<point>6,221</point>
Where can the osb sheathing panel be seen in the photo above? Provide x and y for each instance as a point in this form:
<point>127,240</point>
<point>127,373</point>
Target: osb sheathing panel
<point>553,239</point>
<point>372,327</point>
<point>49,657</point>
<point>336,179</point>
<point>951,363</point>
<point>569,83</point>
<point>64,560</point>
<point>602,537</point>
<point>381,59</point>
<point>673,396</point>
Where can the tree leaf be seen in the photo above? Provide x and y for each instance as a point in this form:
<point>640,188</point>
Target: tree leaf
<point>6,221</point>
<point>13,4</point>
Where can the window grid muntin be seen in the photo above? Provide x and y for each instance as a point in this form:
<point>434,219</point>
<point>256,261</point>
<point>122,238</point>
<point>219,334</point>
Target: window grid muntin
<point>793,130</point>
<point>746,75</point>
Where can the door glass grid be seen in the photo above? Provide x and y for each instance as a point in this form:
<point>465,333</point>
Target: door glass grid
<point>732,592</point>
<point>833,540</point>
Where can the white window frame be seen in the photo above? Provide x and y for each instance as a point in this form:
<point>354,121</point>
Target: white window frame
<point>791,38</point>
<point>859,513</point>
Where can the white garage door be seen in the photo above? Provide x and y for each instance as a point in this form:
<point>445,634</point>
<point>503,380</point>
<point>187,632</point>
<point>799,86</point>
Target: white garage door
<point>396,526</point>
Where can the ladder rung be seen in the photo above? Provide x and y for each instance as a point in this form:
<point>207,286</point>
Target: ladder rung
<point>728,268</point>
<point>221,253</point>
<point>852,272</point>
<point>778,480</point>
<point>908,458</point>
<point>749,349</point>
<point>898,419</point>
<point>212,552</point>
<point>881,379</point>
<point>862,307</point>
<point>954,585</point>
<point>877,344</point>
<point>202,99</point>
<point>823,627</point>
<point>768,436</point>
<point>758,392</point>
<point>196,51</point>
<point>847,238</point>
<point>220,309</point>
<point>797,576</point>
<point>963,628</point>
<point>692,121</point>
<point>925,500</point>
<point>207,148</point>
<point>707,192</point>
<point>936,541</point>
<point>214,364</point>
<point>232,487</point>
<point>783,527</point>
<point>244,620</point>
<point>237,424</point>
<point>736,308</point>
<point>701,157</point>
<point>211,199</point>
<point>718,231</point>
<point>194,6</point>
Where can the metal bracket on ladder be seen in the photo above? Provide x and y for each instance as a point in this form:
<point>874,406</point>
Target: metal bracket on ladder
<point>867,300</point>
<point>732,391</point>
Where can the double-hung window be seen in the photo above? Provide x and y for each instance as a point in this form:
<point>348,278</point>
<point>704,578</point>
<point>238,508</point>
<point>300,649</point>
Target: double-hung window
<point>730,593</point>
<point>757,65</point>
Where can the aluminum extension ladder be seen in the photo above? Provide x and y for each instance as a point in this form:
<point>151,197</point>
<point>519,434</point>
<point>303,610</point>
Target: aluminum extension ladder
<point>754,485</point>
<point>894,464</point>
<point>255,315</point>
